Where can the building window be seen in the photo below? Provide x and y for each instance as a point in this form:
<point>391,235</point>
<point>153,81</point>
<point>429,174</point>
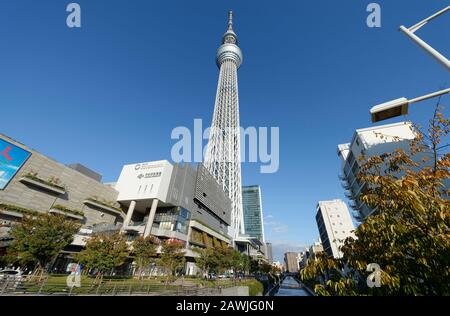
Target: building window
<point>173,219</point>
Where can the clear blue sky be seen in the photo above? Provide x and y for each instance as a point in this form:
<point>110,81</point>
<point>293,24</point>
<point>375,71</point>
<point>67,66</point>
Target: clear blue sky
<point>111,92</point>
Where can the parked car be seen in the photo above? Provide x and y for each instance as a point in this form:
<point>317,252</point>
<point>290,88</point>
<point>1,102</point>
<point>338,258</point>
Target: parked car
<point>10,273</point>
<point>212,276</point>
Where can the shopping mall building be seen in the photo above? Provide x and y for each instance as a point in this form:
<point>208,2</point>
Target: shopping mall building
<point>169,201</point>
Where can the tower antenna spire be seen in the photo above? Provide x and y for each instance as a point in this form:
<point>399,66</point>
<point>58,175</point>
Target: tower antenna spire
<point>223,159</point>
<point>230,20</point>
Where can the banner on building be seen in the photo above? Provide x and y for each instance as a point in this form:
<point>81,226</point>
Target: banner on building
<point>11,160</point>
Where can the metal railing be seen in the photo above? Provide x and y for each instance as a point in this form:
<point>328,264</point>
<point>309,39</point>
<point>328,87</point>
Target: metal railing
<point>36,287</point>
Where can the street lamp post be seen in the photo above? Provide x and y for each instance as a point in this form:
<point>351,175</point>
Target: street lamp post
<point>410,32</point>
<point>399,106</point>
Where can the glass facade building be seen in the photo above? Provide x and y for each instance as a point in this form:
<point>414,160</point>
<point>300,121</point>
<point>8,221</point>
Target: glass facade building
<point>253,214</point>
<point>173,219</point>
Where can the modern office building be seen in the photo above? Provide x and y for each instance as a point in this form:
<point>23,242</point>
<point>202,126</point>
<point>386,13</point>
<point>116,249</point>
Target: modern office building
<point>370,141</point>
<point>224,147</point>
<point>167,201</point>
<point>31,182</point>
<point>335,225</point>
<point>269,254</point>
<point>291,261</point>
<point>175,201</point>
<point>253,213</point>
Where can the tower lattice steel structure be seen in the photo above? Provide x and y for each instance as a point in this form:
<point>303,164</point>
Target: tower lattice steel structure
<point>223,153</point>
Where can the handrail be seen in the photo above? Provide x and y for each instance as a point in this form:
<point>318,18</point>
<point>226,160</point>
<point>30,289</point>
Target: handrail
<point>16,286</point>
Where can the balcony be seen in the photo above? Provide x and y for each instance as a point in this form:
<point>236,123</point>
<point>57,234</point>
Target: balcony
<point>103,206</point>
<point>16,211</point>
<point>74,214</point>
<point>349,195</point>
<point>80,239</point>
<point>42,184</point>
<point>12,213</point>
<point>355,205</point>
<point>159,232</point>
<point>137,227</point>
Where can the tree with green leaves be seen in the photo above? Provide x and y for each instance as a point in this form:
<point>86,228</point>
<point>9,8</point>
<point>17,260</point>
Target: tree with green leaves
<point>207,260</point>
<point>237,263</point>
<point>39,239</point>
<point>103,252</point>
<point>265,268</point>
<point>144,251</point>
<point>172,257</point>
<point>245,262</point>
<point>408,234</point>
<point>224,259</point>
<point>254,266</point>
<point>325,275</point>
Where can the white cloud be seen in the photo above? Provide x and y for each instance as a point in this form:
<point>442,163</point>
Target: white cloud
<point>280,229</point>
<point>276,226</point>
<point>280,247</point>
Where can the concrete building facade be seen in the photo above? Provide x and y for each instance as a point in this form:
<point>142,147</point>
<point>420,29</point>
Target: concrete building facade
<point>175,201</point>
<point>335,225</point>
<point>369,142</point>
<point>269,253</point>
<point>41,184</point>
<point>152,198</point>
<point>253,212</point>
<point>291,261</point>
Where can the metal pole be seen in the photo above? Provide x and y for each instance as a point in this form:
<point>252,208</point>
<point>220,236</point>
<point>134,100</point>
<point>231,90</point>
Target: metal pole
<point>42,285</point>
<point>425,21</point>
<point>430,50</point>
<point>429,96</point>
<point>5,286</point>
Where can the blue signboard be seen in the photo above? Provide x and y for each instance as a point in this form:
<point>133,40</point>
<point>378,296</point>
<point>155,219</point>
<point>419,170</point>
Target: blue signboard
<point>11,159</point>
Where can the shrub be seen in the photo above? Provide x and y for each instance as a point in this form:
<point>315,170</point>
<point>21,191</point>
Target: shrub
<point>255,288</point>
<point>67,210</point>
<point>15,208</point>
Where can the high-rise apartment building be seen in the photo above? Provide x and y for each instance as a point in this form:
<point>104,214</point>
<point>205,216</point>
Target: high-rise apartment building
<point>369,142</point>
<point>335,225</point>
<point>291,261</point>
<point>269,253</point>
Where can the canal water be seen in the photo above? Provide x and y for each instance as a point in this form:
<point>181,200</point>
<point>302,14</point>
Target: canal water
<point>291,287</point>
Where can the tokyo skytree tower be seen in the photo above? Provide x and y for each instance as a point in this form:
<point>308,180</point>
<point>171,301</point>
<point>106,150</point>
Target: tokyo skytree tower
<point>223,153</point>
